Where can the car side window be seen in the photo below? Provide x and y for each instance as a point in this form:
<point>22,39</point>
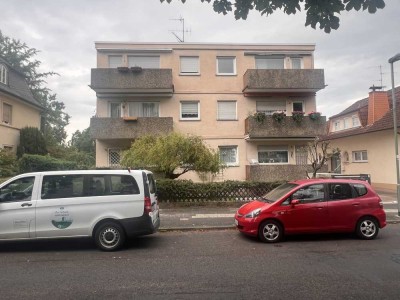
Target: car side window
<point>17,190</point>
<point>360,189</point>
<point>340,191</point>
<point>310,194</point>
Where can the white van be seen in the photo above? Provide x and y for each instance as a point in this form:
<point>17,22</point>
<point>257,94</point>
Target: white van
<point>108,205</point>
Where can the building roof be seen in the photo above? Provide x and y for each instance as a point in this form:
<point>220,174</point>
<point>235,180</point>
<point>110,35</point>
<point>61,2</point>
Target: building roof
<point>17,85</point>
<point>361,106</point>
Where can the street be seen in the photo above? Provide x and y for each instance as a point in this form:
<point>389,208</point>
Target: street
<point>217,264</point>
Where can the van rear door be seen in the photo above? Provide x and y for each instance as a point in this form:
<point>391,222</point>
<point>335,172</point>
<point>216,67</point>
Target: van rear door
<point>151,189</point>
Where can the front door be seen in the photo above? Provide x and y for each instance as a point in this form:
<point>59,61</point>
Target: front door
<point>336,164</point>
<point>17,209</point>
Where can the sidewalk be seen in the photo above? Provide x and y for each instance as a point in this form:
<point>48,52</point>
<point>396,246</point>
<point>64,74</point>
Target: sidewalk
<point>217,217</point>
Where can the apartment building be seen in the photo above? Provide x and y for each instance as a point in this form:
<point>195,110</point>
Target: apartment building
<point>18,107</point>
<point>212,91</point>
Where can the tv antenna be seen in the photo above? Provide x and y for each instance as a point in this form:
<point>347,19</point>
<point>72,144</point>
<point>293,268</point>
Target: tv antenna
<point>181,36</point>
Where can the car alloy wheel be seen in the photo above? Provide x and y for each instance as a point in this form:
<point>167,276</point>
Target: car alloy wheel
<point>270,231</point>
<point>367,228</point>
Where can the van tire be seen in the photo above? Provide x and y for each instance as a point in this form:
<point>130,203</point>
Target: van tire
<point>109,236</point>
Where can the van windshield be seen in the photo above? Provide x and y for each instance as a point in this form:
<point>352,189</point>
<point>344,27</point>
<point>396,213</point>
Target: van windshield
<point>278,192</point>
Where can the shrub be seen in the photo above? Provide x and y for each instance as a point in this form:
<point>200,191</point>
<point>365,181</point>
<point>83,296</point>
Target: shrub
<point>259,117</point>
<point>314,115</point>
<point>279,116</point>
<point>298,116</point>
<point>38,163</point>
<point>32,141</point>
<point>8,163</point>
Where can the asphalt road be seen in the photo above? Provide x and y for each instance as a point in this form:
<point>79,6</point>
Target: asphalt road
<point>205,265</point>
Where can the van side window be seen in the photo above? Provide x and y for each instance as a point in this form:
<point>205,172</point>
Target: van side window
<point>17,190</point>
<point>124,185</point>
<point>152,184</point>
<point>340,191</point>
<point>62,186</point>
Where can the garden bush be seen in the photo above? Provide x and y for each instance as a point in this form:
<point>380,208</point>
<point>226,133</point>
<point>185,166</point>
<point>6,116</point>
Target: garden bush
<point>38,163</point>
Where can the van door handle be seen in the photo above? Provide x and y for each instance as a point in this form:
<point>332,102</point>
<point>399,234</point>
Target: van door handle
<point>26,204</point>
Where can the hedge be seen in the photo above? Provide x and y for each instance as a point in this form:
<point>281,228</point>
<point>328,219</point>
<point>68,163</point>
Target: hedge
<point>188,191</point>
<point>38,163</point>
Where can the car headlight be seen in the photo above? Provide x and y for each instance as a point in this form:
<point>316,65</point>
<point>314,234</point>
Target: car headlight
<point>254,213</point>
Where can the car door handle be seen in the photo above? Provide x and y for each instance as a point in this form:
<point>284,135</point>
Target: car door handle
<point>356,204</point>
<point>26,204</point>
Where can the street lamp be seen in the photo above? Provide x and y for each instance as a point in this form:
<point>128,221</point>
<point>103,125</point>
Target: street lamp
<point>396,147</point>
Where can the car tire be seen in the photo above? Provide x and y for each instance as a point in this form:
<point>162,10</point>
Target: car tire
<point>367,228</point>
<point>270,231</point>
<point>109,236</point>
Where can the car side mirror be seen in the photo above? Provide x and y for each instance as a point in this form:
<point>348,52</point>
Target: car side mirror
<point>295,202</point>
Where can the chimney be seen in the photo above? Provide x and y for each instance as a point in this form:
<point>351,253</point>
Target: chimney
<point>378,104</point>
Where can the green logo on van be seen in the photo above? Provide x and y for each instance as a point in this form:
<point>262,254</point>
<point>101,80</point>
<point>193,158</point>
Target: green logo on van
<point>61,219</point>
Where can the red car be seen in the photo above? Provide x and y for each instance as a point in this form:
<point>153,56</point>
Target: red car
<point>313,206</point>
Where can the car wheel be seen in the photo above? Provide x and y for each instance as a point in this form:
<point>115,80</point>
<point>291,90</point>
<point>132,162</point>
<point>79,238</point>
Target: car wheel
<point>110,237</point>
<point>367,228</point>
<point>270,231</point>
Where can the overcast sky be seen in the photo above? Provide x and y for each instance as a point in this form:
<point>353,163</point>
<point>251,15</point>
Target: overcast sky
<point>65,31</point>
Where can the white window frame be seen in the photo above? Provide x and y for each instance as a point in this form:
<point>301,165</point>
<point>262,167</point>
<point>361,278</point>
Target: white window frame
<point>266,149</point>
<point>346,123</point>
<point>298,101</point>
<point>110,110</point>
<point>3,74</point>
<point>233,58</point>
<point>153,61</point>
<point>227,117</point>
<point>355,121</point>
<point>115,66</point>
<point>363,156</point>
<point>185,63</point>
<point>141,108</point>
<point>336,125</point>
<point>235,149</point>
<point>189,118</point>
<point>3,116</point>
<point>299,59</point>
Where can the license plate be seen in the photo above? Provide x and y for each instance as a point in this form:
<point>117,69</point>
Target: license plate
<point>236,222</point>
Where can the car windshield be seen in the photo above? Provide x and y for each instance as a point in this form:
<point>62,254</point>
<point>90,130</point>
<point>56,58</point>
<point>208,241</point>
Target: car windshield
<point>278,192</point>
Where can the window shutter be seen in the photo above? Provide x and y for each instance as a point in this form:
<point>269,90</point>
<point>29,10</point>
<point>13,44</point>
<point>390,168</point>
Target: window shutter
<point>190,64</point>
<point>269,63</point>
<point>190,110</point>
<point>145,62</point>
<point>270,107</point>
<point>226,110</point>
<point>114,61</point>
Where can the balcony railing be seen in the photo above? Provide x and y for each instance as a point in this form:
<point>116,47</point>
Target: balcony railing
<point>126,81</point>
<point>130,128</point>
<point>286,128</point>
<point>286,80</point>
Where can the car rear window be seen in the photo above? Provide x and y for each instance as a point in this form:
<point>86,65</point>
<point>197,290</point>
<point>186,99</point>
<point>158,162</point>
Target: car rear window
<point>360,189</point>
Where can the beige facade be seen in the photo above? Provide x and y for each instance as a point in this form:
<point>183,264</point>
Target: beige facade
<point>225,84</point>
<point>18,108</point>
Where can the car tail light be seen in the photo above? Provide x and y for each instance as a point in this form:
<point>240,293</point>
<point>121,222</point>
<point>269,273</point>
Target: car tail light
<point>147,205</point>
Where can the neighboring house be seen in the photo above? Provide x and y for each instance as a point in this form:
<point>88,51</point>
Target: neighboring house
<point>212,91</point>
<point>18,107</point>
<point>364,134</point>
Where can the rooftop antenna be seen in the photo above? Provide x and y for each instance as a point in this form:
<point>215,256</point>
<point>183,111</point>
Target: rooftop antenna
<point>181,37</point>
<point>374,88</point>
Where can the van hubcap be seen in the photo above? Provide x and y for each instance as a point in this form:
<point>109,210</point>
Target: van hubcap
<point>110,237</point>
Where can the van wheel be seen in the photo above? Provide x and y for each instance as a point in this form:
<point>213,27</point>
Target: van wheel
<point>270,231</point>
<point>367,228</point>
<point>109,237</point>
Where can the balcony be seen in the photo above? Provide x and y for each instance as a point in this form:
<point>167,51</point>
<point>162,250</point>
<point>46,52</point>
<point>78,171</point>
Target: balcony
<point>129,128</point>
<point>132,82</point>
<point>296,80</point>
<point>286,128</point>
<point>271,173</point>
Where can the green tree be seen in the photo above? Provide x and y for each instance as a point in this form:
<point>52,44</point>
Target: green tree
<point>172,155</point>
<point>31,141</point>
<point>324,12</point>
<point>82,141</point>
<point>22,58</point>
<point>8,163</point>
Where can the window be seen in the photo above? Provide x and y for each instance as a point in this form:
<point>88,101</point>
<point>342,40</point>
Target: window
<point>310,194</point>
<point>228,155</point>
<point>226,65</point>
<point>122,185</point>
<point>145,62</point>
<point>114,157</point>
<point>360,189</point>
<point>62,186</point>
<point>355,121</point>
<point>273,154</point>
<point>190,110</point>
<point>114,61</point>
<point>360,156</point>
<point>296,63</point>
<point>269,107</point>
<point>3,74</point>
<point>336,126</point>
<point>190,65</point>
<point>143,109</point>
<point>346,123</point>
<point>263,62</point>
<point>298,106</point>
<point>115,110</point>
<point>17,190</point>
<point>7,113</point>
<point>340,191</point>
<point>152,184</point>
<point>226,110</point>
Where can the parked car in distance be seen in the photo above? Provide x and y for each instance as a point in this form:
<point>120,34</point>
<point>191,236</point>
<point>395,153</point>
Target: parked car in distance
<point>313,206</point>
<point>107,205</point>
